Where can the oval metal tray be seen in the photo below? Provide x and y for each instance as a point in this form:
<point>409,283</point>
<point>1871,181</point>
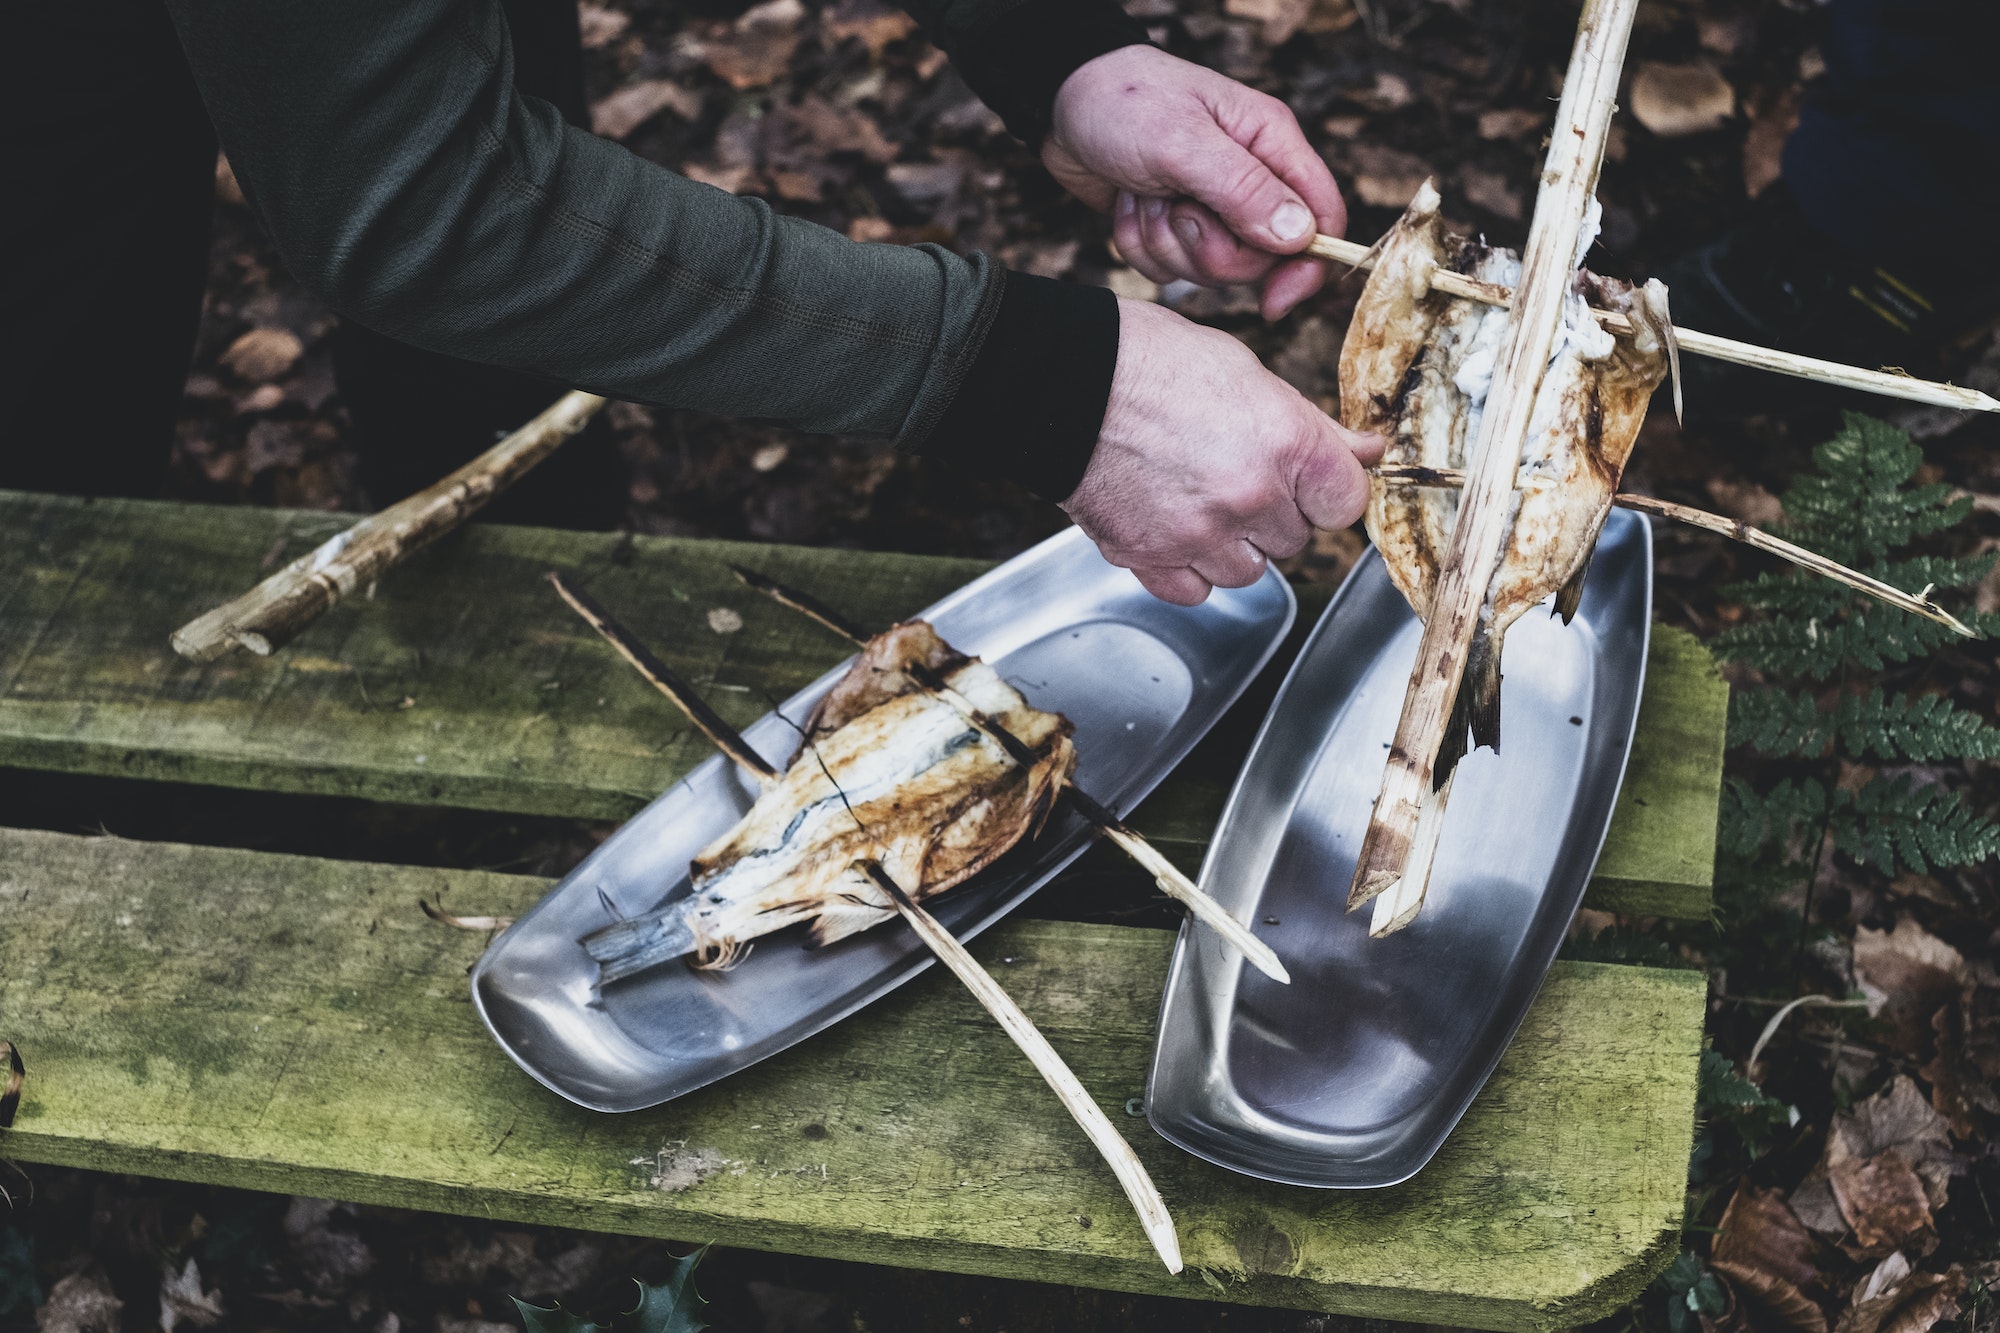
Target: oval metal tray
<point>1352,1076</point>
<point>1142,681</point>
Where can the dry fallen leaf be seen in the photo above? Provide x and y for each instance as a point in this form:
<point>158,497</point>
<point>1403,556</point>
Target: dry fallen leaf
<point>1493,192</point>
<point>1966,1067</point>
<point>601,25</point>
<point>1759,1230</point>
<point>1281,18</point>
<point>1387,177</point>
<point>1673,100</point>
<point>759,46</point>
<point>183,1301</point>
<point>1511,123</point>
<point>1907,973</point>
<point>263,354</point>
<point>876,25</point>
<point>835,129</point>
<point>1764,146</point>
<point>1132,285</point>
<point>1895,1300</point>
<point>1882,1199</point>
<point>1779,1299</point>
<point>630,107</point>
<point>81,1303</point>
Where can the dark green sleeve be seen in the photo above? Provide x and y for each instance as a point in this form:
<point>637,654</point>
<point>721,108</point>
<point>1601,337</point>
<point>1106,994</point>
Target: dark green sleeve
<point>407,184</point>
<point>1016,53</point>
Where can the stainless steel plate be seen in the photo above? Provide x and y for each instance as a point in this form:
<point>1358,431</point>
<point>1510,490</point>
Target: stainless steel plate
<point>1142,681</point>
<point>1355,1073</point>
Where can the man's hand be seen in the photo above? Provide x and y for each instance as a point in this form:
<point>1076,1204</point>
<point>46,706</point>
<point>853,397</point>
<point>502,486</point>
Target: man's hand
<point>1208,463</point>
<point>1206,179</point>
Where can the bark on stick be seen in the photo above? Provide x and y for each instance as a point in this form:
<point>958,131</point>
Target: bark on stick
<point>1076,1099</point>
<point>272,613</point>
<point>1569,178</point>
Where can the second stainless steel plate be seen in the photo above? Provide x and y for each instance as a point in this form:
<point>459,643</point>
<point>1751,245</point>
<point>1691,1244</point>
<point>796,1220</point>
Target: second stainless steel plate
<point>1355,1073</point>
<point>1142,681</point>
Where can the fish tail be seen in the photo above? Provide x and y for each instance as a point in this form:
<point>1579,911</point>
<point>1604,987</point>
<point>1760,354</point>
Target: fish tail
<point>1475,712</point>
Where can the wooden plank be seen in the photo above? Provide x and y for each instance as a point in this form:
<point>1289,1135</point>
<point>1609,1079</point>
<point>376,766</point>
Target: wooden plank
<point>514,706</point>
<point>285,1023</point>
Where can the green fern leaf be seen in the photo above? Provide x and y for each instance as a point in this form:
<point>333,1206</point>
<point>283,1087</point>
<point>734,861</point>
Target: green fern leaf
<point>1890,822</point>
<point>1778,723</point>
<point>674,1306</point>
<point>1818,649</point>
<point>1858,507</point>
<point>1751,820</point>
<point>1927,728</point>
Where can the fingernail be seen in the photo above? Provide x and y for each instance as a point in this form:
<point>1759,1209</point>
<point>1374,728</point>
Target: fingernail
<point>1126,203</point>
<point>1291,221</point>
<point>1188,230</point>
<point>1155,209</point>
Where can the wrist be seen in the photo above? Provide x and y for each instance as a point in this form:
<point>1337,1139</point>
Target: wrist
<point>1032,403</point>
<point>1019,61</point>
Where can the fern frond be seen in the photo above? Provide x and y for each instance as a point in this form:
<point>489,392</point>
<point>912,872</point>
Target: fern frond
<point>1751,819</point>
<point>1858,507</point>
<point>1935,570</point>
<point>1815,648</point>
<point>1778,723</point>
<point>1890,822</point>
<point>1792,592</point>
<point>1925,728</point>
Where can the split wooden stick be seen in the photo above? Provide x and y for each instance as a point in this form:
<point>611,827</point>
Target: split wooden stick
<point>1076,1099</point>
<point>1548,266</point>
<point>711,724</point>
<point>1166,875</point>
<point>267,617</point>
<point>1917,604</point>
<point>1118,1154</point>
<point>1883,382</point>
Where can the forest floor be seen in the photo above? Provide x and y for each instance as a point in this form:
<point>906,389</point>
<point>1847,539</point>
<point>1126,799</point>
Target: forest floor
<point>839,112</point>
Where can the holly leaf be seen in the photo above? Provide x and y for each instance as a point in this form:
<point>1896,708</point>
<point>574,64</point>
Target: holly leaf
<point>674,1306</point>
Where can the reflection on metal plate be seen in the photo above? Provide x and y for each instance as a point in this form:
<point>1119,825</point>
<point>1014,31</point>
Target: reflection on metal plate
<point>1355,1073</point>
<point>1142,681</point>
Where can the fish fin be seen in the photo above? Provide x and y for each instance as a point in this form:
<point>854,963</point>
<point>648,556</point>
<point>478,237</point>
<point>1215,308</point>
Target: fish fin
<point>1475,712</point>
<point>1570,595</point>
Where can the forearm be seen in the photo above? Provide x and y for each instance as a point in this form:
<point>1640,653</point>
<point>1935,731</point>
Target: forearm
<point>406,182</point>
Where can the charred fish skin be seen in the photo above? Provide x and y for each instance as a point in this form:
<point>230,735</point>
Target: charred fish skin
<point>886,770</point>
<point>1415,369</point>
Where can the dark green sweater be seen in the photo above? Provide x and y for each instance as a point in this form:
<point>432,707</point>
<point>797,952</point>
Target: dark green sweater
<point>409,185</point>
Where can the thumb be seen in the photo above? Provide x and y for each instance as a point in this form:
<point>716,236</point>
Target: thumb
<point>1247,195</point>
<point>1331,487</point>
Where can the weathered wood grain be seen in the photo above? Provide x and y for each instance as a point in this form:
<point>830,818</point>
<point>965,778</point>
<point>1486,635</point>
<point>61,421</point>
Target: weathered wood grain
<point>293,1024</point>
<point>512,705</point>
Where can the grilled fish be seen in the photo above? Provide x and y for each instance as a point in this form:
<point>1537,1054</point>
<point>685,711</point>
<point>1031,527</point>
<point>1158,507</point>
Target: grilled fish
<point>1415,368</point>
<point>885,769</point>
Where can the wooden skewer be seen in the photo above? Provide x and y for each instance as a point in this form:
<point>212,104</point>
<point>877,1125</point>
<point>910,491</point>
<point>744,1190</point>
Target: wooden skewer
<point>1485,513</point>
<point>1716,348</point>
<point>1118,1154</point>
<point>1076,1099</point>
<point>725,737</point>
<point>1917,604</point>
<point>1165,873</point>
<point>267,617</point>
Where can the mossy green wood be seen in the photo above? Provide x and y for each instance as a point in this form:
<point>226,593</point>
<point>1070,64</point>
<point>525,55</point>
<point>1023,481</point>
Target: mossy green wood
<point>464,682</point>
<point>293,1024</point>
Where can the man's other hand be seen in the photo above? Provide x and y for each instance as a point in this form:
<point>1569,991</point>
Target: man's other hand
<point>1205,179</point>
<point>1208,464</point>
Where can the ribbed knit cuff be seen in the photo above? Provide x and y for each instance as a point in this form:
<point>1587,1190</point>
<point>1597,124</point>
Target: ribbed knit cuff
<point>1032,402</point>
<point>1017,61</point>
